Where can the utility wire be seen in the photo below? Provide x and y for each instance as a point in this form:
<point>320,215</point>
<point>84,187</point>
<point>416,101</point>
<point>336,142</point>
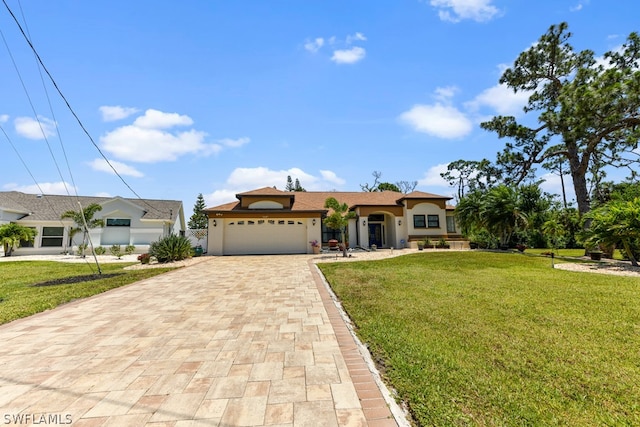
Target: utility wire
<point>64,152</point>
<point>33,109</point>
<point>55,85</point>
<point>53,116</point>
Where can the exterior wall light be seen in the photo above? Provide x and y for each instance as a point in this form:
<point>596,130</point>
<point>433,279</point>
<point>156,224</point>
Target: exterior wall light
<point>399,222</point>
<point>313,222</point>
<point>364,222</point>
<point>215,223</point>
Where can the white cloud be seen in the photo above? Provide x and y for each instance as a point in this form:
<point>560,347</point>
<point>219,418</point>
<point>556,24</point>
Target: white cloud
<point>42,188</point>
<point>552,184</point>
<point>31,128</point>
<point>458,10</point>
<point>314,45</point>
<point>442,121</point>
<point>245,179</point>
<point>445,94</point>
<point>4,118</point>
<point>348,56</point>
<point>154,119</point>
<point>123,169</point>
<point>149,139</point>
<point>331,176</point>
<point>116,112</point>
<point>146,145</point>
<point>356,37</point>
<point>234,143</point>
<point>432,176</point>
<point>501,99</point>
<point>578,7</point>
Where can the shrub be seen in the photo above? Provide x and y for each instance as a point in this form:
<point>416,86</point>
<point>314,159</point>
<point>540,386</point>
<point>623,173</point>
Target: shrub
<point>99,250</point>
<point>144,258</point>
<point>116,251</point>
<point>171,248</point>
<point>129,249</point>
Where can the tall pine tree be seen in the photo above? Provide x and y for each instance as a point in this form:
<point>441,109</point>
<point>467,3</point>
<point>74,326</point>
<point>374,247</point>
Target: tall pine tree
<point>198,220</point>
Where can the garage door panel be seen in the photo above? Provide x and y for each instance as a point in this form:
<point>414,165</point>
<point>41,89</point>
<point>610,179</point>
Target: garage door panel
<point>265,236</point>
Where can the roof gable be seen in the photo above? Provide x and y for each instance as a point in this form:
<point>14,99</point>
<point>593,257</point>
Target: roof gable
<point>305,201</point>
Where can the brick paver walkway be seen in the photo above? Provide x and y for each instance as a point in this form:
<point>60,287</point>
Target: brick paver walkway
<point>231,341</point>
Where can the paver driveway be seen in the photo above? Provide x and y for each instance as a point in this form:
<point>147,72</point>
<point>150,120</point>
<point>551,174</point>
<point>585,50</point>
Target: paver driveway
<point>231,341</point>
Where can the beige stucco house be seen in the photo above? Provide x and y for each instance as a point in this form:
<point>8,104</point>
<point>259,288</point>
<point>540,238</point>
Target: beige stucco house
<point>270,221</point>
<point>137,222</point>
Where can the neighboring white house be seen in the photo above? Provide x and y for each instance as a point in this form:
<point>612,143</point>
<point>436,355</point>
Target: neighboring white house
<point>137,222</point>
<point>270,221</point>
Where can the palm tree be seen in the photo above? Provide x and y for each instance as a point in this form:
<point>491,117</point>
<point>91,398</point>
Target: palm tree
<point>502,213</point>
<point>616,222</point>
<point>82,217</point>
<point>338,219</point>
<point>11,234</point>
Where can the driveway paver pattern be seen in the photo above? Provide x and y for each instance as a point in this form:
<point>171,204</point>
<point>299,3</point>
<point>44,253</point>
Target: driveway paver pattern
<point>231,341</point>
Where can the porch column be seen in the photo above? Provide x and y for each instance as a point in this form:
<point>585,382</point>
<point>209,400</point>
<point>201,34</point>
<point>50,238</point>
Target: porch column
<point>363,231</point>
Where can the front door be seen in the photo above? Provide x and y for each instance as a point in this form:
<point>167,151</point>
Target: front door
<point>375,235</point>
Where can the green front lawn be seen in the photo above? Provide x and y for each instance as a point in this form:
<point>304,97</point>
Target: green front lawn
<point>29,287</point>
<point>476,338</point>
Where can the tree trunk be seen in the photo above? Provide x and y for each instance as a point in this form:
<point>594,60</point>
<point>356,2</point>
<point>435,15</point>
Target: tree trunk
<point>629,250</point>
<point>579,175</point>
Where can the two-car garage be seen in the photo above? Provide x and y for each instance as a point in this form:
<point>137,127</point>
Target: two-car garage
<point>255,236</point>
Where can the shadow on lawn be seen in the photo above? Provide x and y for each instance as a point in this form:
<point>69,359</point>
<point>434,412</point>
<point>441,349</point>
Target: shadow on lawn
<point>75,279</point>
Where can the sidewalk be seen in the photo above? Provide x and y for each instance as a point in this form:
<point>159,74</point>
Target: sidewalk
<point>230,341</point>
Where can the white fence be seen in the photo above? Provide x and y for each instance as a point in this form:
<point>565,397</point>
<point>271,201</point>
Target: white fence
<point>197,237</point>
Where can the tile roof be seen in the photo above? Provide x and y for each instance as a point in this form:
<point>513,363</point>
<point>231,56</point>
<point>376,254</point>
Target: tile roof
<point>49,207</point>
<point>314,200</point>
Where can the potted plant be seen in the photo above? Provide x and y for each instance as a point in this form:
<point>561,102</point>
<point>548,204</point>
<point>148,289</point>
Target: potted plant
<point>596,255</point>
<point>315,246</point>
<point>420,245</point>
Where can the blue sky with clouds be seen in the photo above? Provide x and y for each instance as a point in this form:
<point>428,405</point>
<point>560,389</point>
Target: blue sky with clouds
<point>219,97</point>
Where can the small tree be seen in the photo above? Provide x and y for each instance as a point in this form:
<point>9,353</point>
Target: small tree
<point>199,219</point>
<point>339,219</point>
<point>289,185</point>
<point>82,217</point>
<point>11,234</point>
<point>616,223</point>
<point>298,187</point>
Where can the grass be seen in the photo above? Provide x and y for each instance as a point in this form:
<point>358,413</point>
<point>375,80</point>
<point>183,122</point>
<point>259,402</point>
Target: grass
<point>498,339</point>
<point>29,287</point>
<point>570,253</point>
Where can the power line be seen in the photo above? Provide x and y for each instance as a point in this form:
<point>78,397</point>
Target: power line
<point>33,109</point>
<point>55,85</point>
<point>44,87</point>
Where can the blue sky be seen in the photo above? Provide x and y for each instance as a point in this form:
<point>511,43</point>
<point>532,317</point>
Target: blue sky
<point>220,97</point>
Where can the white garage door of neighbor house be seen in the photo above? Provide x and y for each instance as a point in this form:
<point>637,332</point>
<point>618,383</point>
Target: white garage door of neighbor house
<point>265,236</point>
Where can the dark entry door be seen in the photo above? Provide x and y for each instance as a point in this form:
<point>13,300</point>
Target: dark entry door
<point>375,235</point>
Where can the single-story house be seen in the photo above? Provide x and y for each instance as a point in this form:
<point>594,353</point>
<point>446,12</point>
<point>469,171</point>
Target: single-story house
<point>270,221</point>
<point>137,222</point>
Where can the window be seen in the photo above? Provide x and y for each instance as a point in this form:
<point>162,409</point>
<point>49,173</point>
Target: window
<point>419,221</point>
<point>330,234</point>
<point>433,221</point>
<point>118,222</point>
<point>27,244</point>
<point>451,224</point>
<point>52,237</point>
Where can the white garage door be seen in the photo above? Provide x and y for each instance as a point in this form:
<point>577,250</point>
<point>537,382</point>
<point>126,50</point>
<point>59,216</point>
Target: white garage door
<point>265,236</point>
